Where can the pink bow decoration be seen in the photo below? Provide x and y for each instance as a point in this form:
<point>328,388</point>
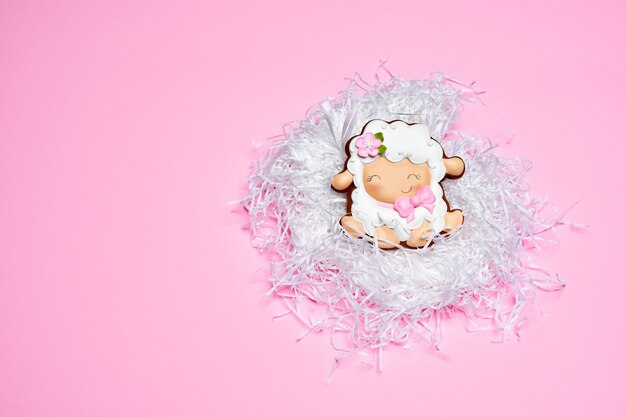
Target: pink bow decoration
<point>406,206</point>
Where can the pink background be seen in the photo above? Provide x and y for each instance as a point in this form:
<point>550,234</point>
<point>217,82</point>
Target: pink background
<point>127,288</point>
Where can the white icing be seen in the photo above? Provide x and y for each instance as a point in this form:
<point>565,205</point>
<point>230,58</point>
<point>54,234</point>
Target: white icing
<point>402,141</point>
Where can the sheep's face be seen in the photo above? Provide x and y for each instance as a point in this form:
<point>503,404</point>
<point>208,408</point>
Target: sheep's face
<point>387,181</point>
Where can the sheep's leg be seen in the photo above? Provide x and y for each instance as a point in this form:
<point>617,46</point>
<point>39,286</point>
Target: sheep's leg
<point>419,237</point>
<point>453,220</point>
<point>352,226</point>
<point>387,239</point>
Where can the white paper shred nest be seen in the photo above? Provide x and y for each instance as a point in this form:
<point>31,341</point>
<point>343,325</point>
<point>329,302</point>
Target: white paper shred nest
<point>375,296</point>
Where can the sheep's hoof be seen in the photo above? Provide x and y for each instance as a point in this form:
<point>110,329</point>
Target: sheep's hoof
<point>419,242</point>
<point>420,236</point>
<point>386,238</point>
<point>454,220</point>
<point>352,226</point>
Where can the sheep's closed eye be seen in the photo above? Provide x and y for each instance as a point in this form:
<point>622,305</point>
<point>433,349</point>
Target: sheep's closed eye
<point>417,176</point>
<point>371,177</point>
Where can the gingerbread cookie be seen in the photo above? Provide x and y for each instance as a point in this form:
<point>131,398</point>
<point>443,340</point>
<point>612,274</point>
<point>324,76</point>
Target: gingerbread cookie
<point>393,175</point>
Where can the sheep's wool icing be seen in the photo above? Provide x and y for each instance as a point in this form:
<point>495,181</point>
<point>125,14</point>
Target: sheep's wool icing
<point>402,141</point>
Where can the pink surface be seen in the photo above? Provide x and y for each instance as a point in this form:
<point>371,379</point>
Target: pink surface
<point>127,288</point>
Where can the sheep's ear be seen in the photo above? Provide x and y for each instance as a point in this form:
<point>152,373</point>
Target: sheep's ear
<point>455,167</point>
<point>342,181</point>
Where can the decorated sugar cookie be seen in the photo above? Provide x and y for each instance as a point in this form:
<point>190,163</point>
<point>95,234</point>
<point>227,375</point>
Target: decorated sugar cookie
<point>393,174</point>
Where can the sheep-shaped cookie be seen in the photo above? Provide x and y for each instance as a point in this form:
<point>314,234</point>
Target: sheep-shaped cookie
<point>393,173</point>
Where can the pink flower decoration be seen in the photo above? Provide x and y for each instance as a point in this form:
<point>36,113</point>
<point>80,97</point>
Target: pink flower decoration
<point>367,145</point>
